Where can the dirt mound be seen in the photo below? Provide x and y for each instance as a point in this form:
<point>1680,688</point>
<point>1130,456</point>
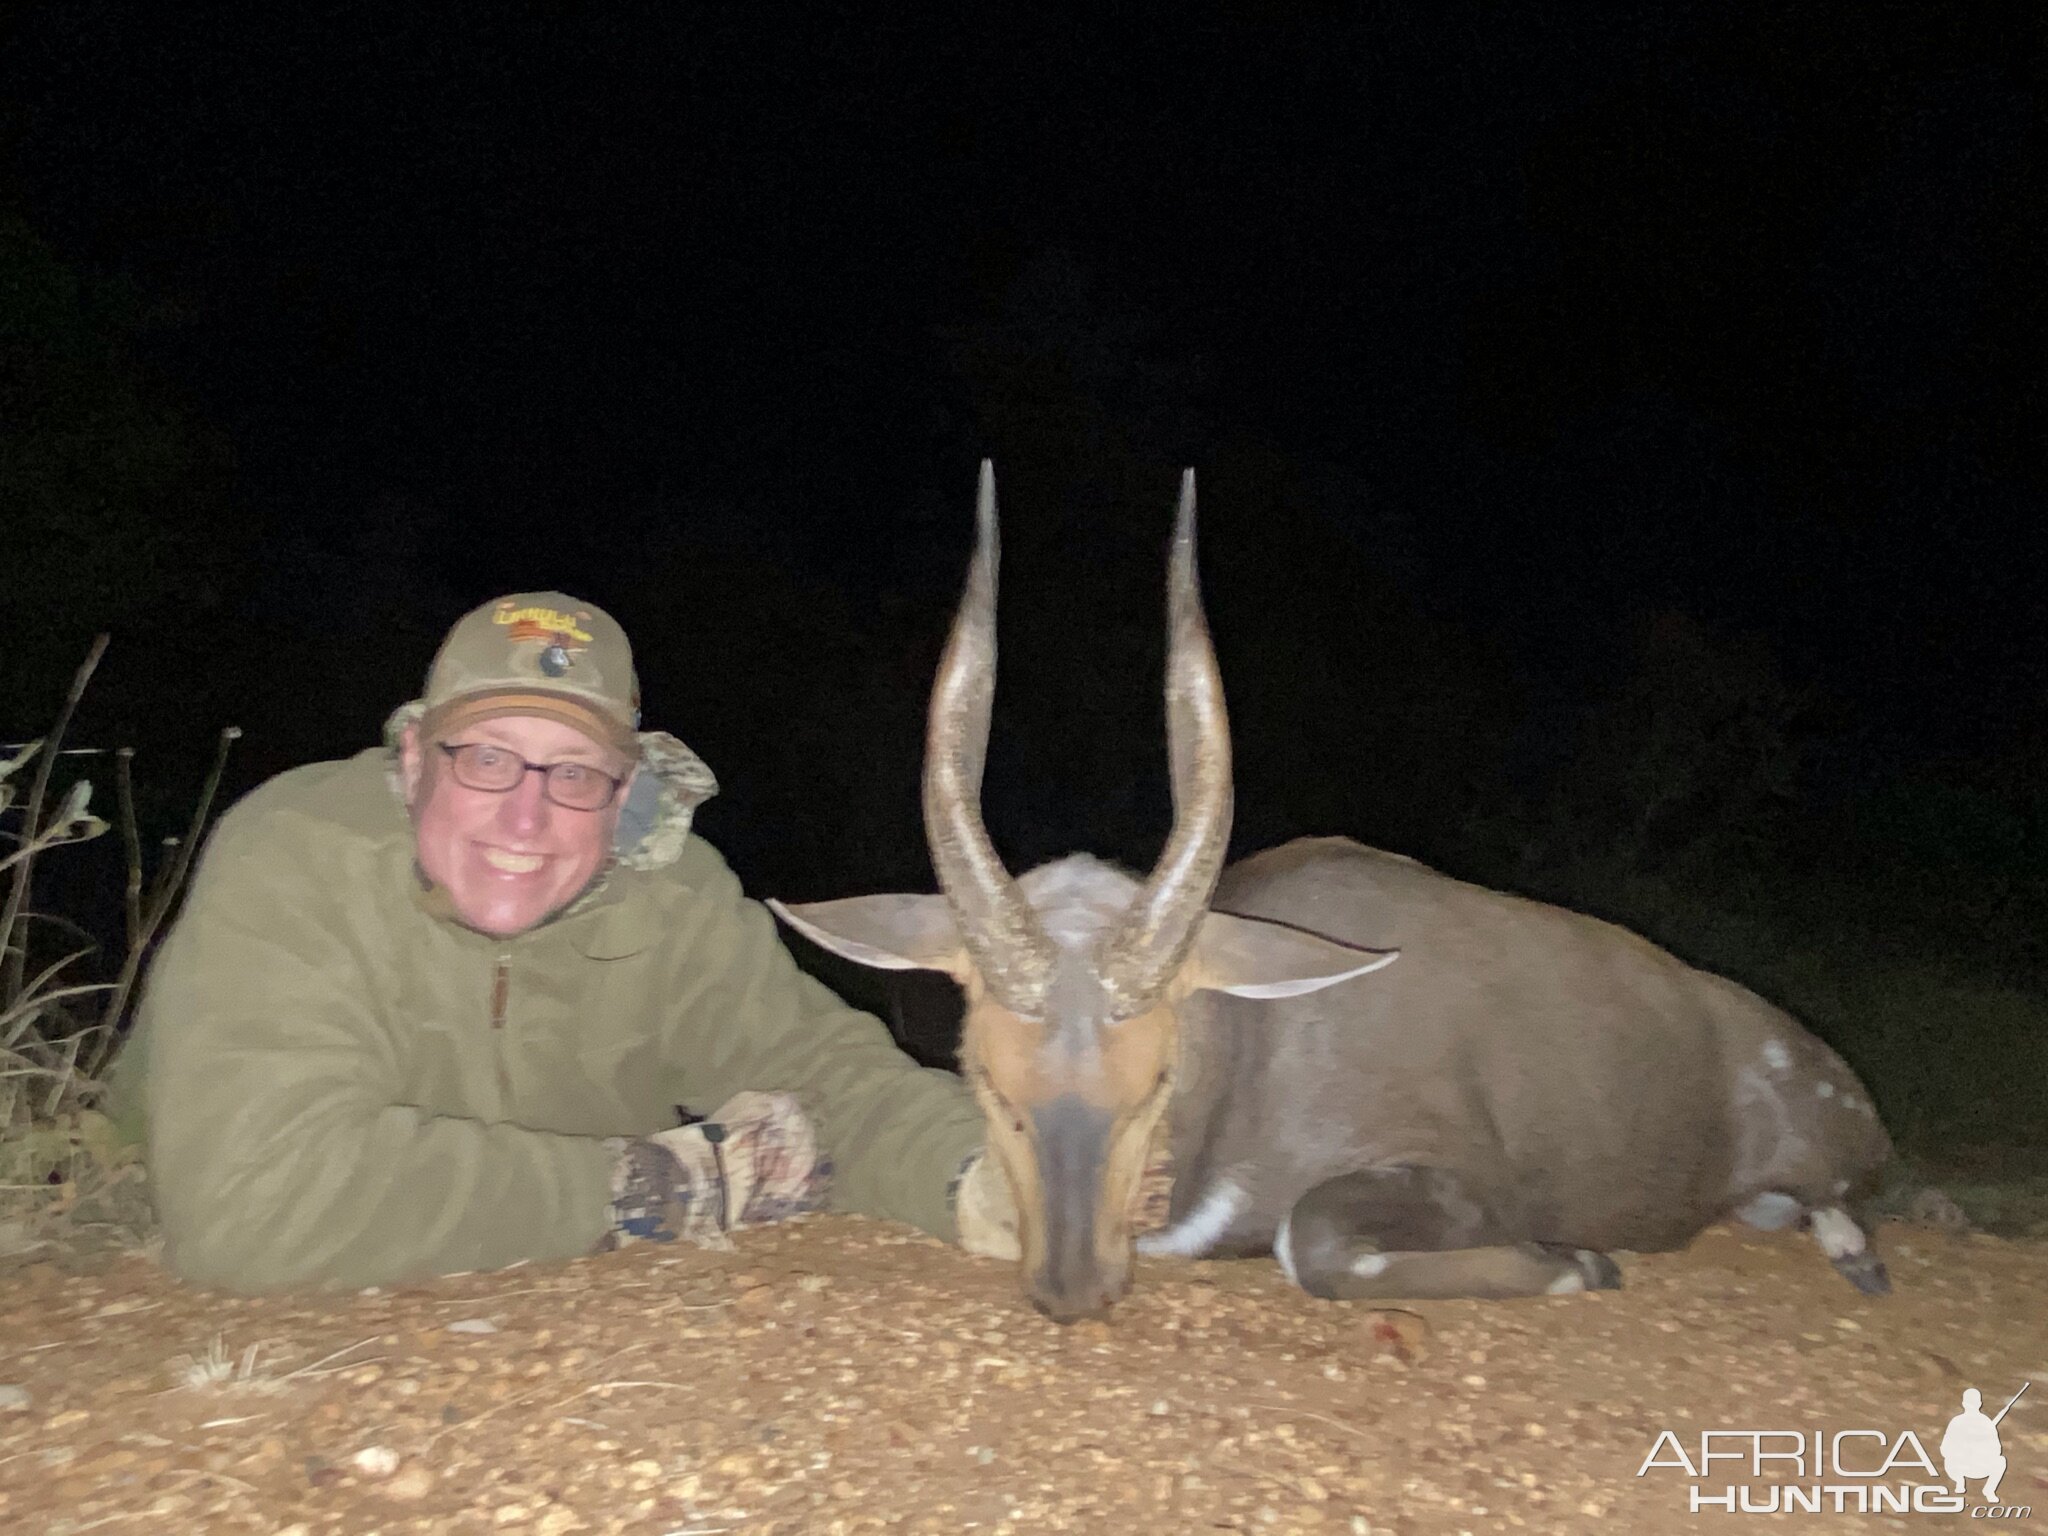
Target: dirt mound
<point>839,1375</point>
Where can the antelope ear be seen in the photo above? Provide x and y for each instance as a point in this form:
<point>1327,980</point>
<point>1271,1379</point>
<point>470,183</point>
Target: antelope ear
<point>891,933</point>
<point>1249,957</point>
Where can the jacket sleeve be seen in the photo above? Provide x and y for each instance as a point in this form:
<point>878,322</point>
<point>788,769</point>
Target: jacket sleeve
<point>280,1146</point>
<point>745,1016</point>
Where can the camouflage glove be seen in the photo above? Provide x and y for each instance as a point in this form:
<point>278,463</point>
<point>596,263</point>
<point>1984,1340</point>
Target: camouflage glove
<point>985,1211</point>
<point>755,1160</point>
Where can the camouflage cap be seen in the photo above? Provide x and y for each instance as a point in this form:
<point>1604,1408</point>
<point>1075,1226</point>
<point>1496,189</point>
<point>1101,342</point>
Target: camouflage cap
<point>536,653</point>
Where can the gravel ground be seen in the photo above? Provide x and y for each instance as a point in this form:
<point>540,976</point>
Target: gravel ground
<point>838,1375</point>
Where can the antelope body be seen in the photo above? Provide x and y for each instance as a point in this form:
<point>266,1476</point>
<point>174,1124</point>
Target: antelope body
<point>1399,1084</point>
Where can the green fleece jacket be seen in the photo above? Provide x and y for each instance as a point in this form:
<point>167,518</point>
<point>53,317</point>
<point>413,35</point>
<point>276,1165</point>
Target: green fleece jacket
<point>342,1086</point>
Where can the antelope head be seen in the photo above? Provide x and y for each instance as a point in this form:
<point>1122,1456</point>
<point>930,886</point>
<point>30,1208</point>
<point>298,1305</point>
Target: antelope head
<point>1074,974</point>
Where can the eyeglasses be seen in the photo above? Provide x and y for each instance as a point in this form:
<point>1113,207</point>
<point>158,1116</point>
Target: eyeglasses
<point>497,771</point>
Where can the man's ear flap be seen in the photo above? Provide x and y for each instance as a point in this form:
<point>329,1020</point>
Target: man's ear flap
<point>891,933</point>
<point>1249,957</point>
<point>411,761</point>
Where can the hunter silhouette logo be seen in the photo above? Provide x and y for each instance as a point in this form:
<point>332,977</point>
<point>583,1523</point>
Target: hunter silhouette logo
<point>1970,1447</point>
<point>561,635</point>
<point>1865,1471</point>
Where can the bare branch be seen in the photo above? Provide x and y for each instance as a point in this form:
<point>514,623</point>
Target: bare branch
<point>131,841</point>
<point>159,904</point>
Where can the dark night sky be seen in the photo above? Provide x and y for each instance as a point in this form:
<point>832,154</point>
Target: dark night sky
<point>1524,323</point>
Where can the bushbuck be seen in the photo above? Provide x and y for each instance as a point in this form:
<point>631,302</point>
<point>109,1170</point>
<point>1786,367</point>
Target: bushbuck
<point>1397,1083</point>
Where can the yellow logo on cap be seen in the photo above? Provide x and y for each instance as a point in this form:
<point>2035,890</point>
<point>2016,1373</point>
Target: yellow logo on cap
<point>536,623</point>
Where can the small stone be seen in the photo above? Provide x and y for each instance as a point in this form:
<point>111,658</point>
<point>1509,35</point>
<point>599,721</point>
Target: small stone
<point>1402,1335</point>
<point>473,1325</point>
<point>412,1483</point>
<point>378,1461</point>
<point>14,1399</point>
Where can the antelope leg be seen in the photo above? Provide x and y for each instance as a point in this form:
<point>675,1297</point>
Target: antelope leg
<point>1843,1239</point>
<point>1841,1235</point>
<point>1418,1233</point>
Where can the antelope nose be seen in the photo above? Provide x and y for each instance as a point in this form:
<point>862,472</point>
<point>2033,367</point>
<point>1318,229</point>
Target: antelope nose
<point>1075,1306</point>
<point>1076,1297</point>
<point>1069,1278</point>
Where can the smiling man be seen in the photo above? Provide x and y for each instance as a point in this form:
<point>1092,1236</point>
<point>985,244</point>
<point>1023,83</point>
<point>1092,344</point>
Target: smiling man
<point>483,996</point>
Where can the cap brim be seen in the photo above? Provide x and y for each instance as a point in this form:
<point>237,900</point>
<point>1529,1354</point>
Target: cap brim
<point>576,713</point>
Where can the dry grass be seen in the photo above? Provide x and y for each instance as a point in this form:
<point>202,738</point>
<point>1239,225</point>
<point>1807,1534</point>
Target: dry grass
<point>62,1163</point>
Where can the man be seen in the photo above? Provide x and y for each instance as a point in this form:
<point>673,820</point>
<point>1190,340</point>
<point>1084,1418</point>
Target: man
<point>463,1002</point>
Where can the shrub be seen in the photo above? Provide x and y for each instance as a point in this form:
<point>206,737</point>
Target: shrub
<point>57,1030</point>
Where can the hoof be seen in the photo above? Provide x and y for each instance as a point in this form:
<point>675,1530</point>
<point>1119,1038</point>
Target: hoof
<point>1591,1270</point>
<point>1866,1272</point>
<point>1601,1272</point>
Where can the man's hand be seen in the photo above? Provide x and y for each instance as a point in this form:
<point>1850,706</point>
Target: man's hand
<point>755,1161</point>
<point>985,1211</point>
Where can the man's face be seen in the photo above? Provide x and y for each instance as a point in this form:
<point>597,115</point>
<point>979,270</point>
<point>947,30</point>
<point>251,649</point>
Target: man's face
<point>511,860</point>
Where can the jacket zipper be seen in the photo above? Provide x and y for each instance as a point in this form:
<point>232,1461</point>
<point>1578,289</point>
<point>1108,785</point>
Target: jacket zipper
<point>501,989</point>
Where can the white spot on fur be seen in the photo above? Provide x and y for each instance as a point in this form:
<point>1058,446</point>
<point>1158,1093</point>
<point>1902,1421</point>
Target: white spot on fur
<point>1776,1057</point>
<point>1196,1233</point>
<point>1366,1265</point>
<point>1825,1091</point>
<point>1838,1236</point>
<point>1283,1249</point>
<point>1769,1211</point>
<point>1566,1284</point>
